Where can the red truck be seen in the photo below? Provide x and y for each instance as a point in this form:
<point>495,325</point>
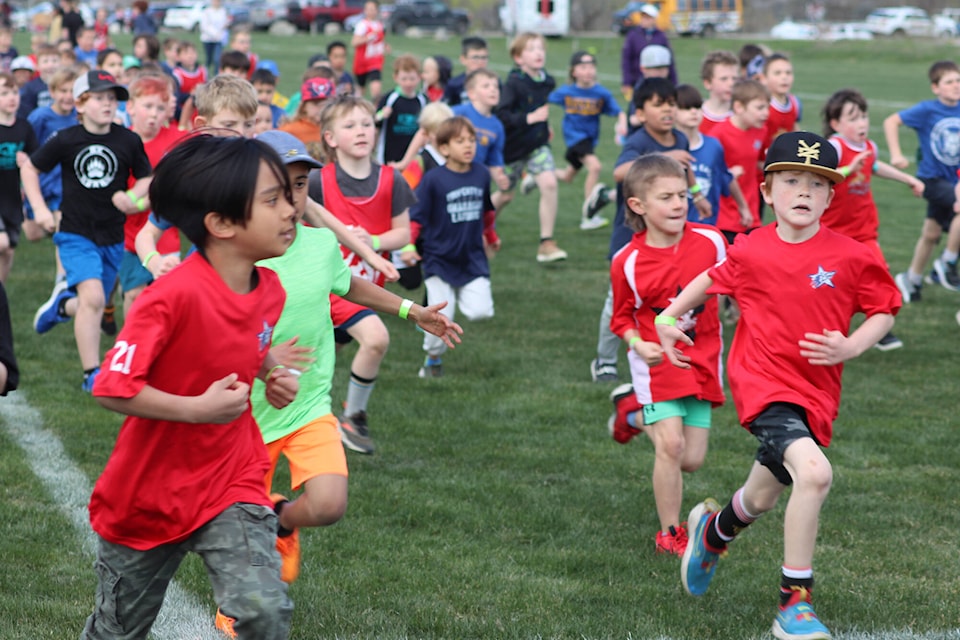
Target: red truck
<point>316,14</point>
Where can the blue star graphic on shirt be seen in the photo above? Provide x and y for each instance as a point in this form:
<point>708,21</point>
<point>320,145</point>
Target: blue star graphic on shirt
<point>265,336</point>
<point>822,277</point>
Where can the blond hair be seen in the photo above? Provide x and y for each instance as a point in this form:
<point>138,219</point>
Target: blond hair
<point>225,93</point>
<point>519,43</point>
<point>433,115</point>
<point>716,59</point>
<point>746,90</point>
<point>335,109</point>
<point>63,75</point>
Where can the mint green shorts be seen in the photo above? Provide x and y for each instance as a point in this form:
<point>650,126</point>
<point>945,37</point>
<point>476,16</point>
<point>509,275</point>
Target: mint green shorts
<point>695,413</point>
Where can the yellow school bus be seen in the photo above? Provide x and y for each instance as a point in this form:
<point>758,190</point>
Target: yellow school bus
<point>689,17</point>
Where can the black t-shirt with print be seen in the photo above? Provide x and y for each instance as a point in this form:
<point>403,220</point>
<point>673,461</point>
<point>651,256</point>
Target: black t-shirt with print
<point>17,137</point>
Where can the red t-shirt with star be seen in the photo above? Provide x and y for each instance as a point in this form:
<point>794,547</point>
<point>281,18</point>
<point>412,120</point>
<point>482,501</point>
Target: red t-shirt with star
<point>164,479</point>
<point>785,291</point>
<point>742,148</point>
<point>852,211</point>
<point>645,281</point>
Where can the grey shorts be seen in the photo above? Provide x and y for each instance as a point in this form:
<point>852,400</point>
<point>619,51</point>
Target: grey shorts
<point>239,549</point>
<point>776,428</point>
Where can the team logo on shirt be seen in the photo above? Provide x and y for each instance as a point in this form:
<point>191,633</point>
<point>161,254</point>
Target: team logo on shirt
<point>822,277</point>
<point>688,321</point>
<point>945,141</point>
<point>95,167</point>
<point>265,336</point>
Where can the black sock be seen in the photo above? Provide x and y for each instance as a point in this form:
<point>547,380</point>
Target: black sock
<point>62,307</point>
<point>789,586</point>
<point>282,532</point>
<point>724,527</point>
<point>87,372</point>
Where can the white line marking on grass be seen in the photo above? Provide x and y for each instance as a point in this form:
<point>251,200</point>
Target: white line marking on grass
<point>182,617</point>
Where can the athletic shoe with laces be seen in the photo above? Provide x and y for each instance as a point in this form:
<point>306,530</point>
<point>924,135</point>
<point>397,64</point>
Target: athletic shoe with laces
<point>603,372</point>
<point>673,542</point>
<point>354,433</point>
<point>528,184</point>
<point>50,313</point>
<point>550,252</point>
<point>224,624</point>
<point>909,291</point>
<point>624,403</point>
<point>931,278</point>
<point>596,222</point>
<point>89,379</point>
<point>108,322</point>
<point>288,547</point>
<point>947,274</point>
<point>699,563</point>
<point>431,369</point>
<point>596,201</point>
<point>888,342</point>
<point>798,620</point>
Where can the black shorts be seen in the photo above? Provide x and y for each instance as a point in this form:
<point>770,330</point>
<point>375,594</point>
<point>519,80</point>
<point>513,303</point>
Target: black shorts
<point>578,152</point>
<point>732,235</point>
<point>776,428</point>
<point>938,192</point>
<point>10,224</point>
<point>369,76</point>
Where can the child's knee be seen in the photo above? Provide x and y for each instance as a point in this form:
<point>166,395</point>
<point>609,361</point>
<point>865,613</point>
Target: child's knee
<point>547,181</point>
<point>592,164</point>
<point>816,474</point>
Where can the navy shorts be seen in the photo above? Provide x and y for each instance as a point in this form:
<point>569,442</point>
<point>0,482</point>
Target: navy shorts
<point>938,192</point>
<point>340,334</point>
<point>776,428</point>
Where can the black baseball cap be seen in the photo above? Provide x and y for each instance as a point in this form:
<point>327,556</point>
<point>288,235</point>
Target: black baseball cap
<point>803,151</point>
<point>582,56</point>
<point>97,81</point>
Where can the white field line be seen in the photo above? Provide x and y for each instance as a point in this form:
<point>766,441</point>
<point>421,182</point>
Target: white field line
<point>182,617</point>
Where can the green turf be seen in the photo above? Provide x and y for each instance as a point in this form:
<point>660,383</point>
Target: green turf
<point>496,505</point>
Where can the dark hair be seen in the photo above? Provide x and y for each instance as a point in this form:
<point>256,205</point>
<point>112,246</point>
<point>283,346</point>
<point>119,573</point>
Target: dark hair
<point>472,43</point>
<point>102,56</point>
<point>444,69</point>
<point>748,52</point>
<point>652,88</point>
<point>833,108</point>
<point>206,174</point>
<point>774,57</point>
<point>234,59</point>
<point>336,44</point>
<point>688,97</point>
<point>939,68</point>
<point>153,46</point>
<point>263,76</point>
<point>452,127</point>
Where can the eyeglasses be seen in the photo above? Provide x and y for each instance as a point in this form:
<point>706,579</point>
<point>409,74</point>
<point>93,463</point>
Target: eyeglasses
<point>478,57</point>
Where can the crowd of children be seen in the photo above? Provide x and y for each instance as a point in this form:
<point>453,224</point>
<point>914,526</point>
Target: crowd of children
<point>410,183</point>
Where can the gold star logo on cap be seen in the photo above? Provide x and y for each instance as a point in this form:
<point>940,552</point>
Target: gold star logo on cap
<point>291,153</point>
<point>808,152</point>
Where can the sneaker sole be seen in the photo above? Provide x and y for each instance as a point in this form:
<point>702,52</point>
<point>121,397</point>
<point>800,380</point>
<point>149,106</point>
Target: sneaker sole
<point>696,514</point>
<point>906,289</point>
<point>944,281</point>
<point>51,301</point>
<point>589,224</point>
<point>551,257</point>
<point>345,438</point>
<point>893,346</point>
<point>779,632</point>
<point>591,201</point>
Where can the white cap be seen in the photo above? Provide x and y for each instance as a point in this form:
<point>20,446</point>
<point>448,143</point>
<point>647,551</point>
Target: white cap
<point>22,62</point>
<point>650,9</point>
<point>655,55</point>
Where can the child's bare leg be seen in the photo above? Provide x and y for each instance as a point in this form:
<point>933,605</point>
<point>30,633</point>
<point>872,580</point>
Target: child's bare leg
<point>500,199</point>
<point>6,260</point>
<point>812,477</point>
<point>926,243</point>
<point>953,235</point>
<point>129,297</point>
<point>547,183</point>
<point>695,441</point>
<point>373,340</point>
<point>375,86</point>
<point>323,502</point>
<point>667,438</point>
<point>592,164</point>
<point>566,174</point>
<point>87,309</point>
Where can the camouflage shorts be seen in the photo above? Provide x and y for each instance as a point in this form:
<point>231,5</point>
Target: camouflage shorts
<point>239,549</point>
<point>539,161</point>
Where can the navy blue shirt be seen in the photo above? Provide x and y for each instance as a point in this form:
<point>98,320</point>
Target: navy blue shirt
<point>449,209</point>
<point>638,144</point>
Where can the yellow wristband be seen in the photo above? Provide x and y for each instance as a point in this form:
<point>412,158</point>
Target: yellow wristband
<point>148,258</point>
<point>632,341</point>
<point>409,247</point>
<point>405,307</point>
<point>141,204</point>
<point>375,242</point>
<point>667,320</point>
<point>695,189</point>
<point>844,171</point>
<point>272,369</point>
<point>131,195</point>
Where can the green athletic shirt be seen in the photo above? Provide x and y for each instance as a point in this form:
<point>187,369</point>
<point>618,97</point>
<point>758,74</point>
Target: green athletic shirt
<point>310,270</point>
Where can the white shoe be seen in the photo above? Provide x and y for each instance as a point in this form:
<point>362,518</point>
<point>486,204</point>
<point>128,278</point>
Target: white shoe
<point>596,222</point>
<point>528,184</point>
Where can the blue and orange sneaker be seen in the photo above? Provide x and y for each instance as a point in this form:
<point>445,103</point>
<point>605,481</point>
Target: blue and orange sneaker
<point>798,621</point>
<point>699,563</point>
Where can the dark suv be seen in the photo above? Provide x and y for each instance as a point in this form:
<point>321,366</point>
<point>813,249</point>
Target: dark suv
<point>306,14</point>
<point>428,15</point>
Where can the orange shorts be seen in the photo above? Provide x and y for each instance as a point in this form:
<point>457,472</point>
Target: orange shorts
<point>312,450</point>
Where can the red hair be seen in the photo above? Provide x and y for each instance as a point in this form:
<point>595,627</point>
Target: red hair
<point>150,85</point>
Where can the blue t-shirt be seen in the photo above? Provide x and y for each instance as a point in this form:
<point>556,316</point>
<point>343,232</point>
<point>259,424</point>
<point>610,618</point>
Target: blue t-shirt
<point>449,209</point>
<point>638,144</point>
<point>712,175</point>
<point>490,134</point>
<point>46,122</point>
<point>88,58</point>
<point>938,129</point>
<point>32,95</point>
<point>582,108</point>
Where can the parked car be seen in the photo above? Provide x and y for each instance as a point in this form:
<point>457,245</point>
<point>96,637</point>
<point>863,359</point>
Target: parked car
<point>908,21</point>
<point>846,31</point>
<point>187,16</point>
<point>790,30</point>
<point>428,15</point>
<point>264,14</point>
<point>306,14</point>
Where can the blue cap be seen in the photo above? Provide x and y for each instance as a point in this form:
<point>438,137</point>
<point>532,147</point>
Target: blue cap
<point>270,66</point>
<point>289,147</point>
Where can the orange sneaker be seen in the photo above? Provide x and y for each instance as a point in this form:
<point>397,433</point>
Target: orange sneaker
<point>224,624</point>
<point>289,549</point>
<point>673,542</point>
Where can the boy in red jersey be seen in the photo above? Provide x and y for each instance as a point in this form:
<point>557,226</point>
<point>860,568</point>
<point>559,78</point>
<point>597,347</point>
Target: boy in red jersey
<point>666,253</point>
<point>186,473</point>
<point>798,284</point>
<point>369,49</point>
<point>852,211</point>
<point>741,136</point>
<point>719,70</point>
<point>785,108</point>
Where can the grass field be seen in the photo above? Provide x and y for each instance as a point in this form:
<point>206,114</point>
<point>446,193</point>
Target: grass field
<point>496,506</point>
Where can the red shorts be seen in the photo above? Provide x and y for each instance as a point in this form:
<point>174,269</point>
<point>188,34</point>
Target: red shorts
<point>342,310</point>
